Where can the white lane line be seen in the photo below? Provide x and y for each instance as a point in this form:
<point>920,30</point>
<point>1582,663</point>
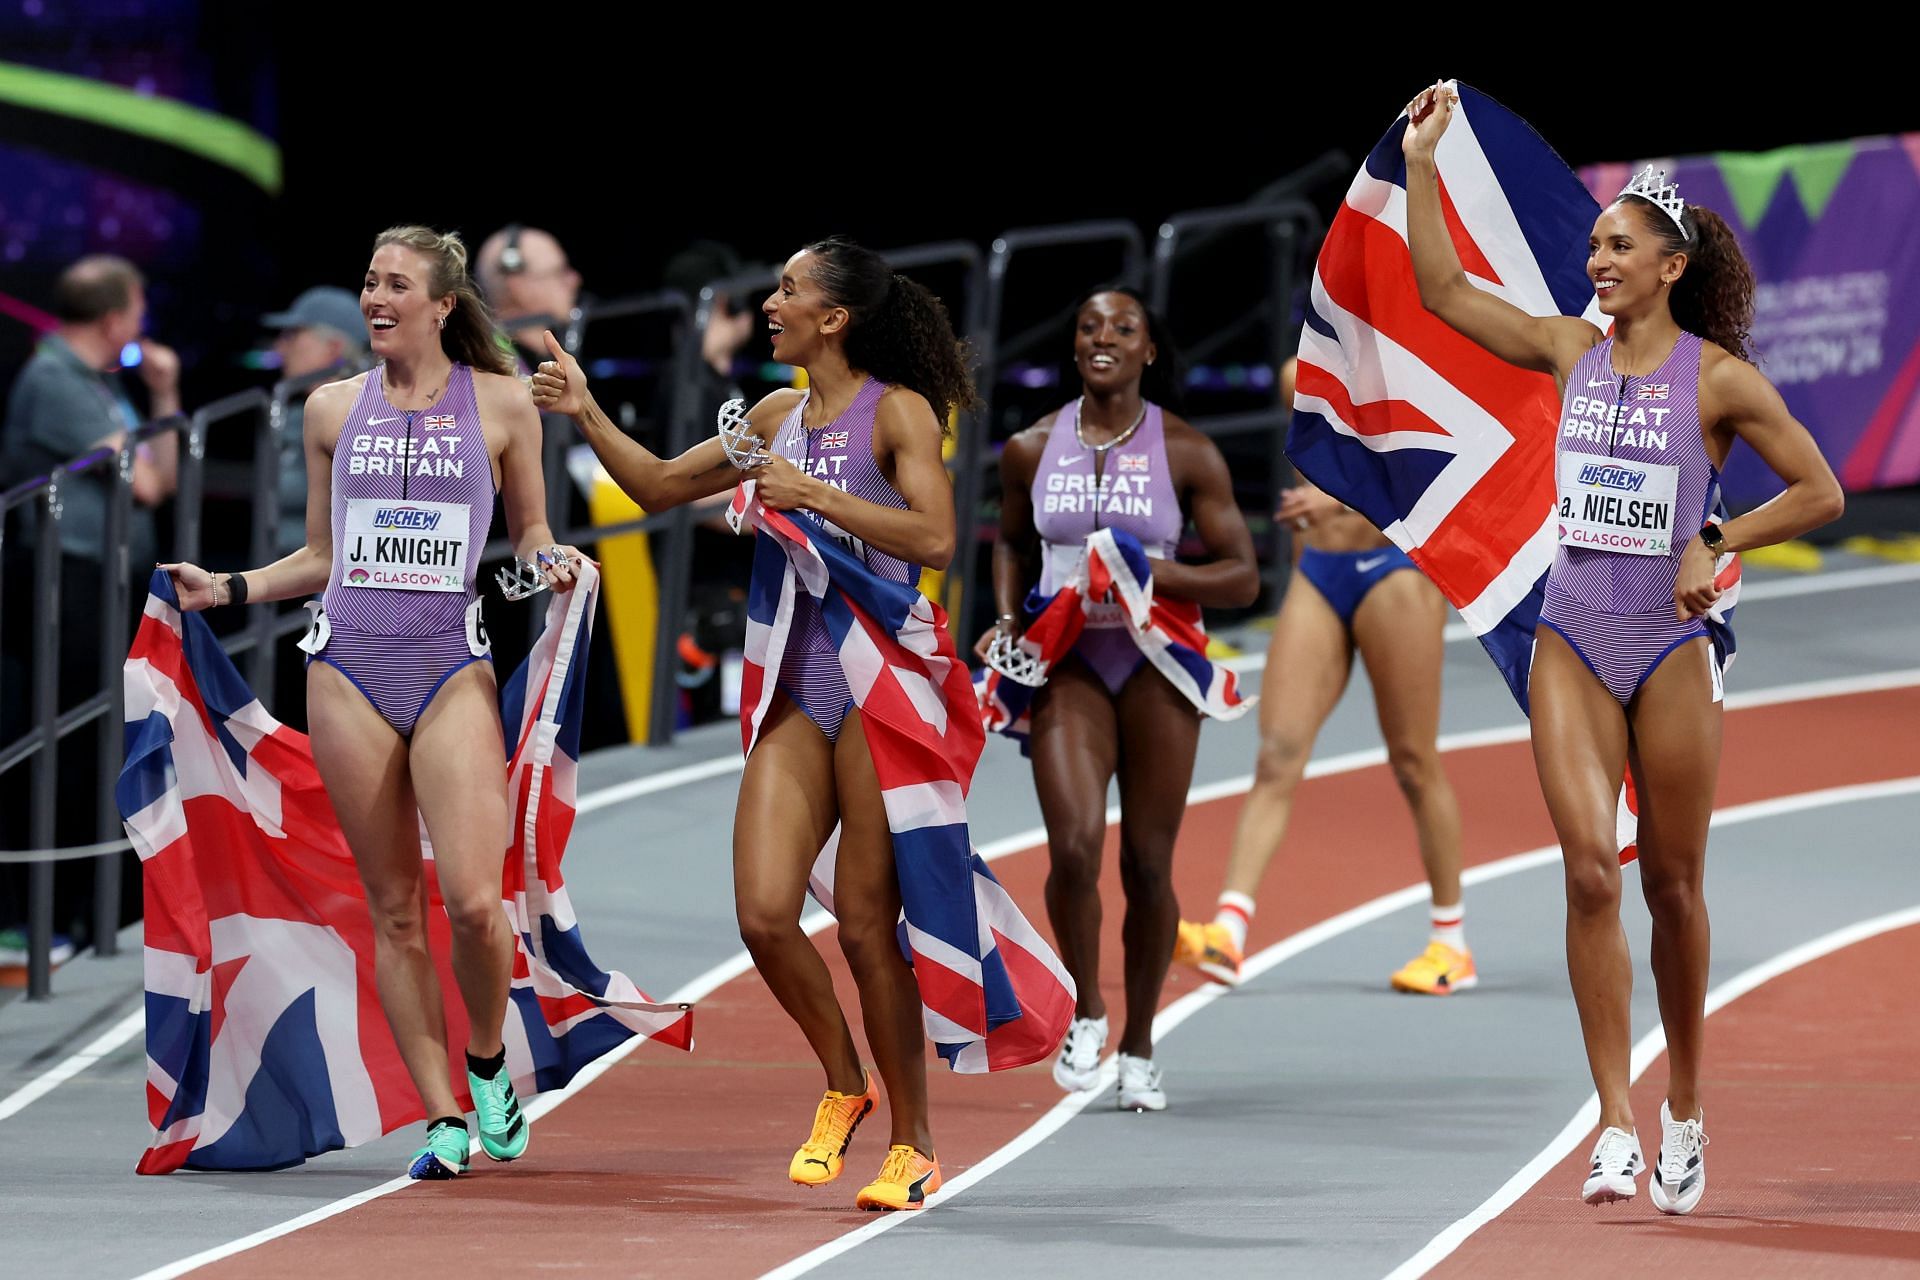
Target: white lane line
<point>1194,1001</point>
<point>814,922</point>
<point>102,1045</point>
<point>1774,589</point>
<point>1649,1048</point>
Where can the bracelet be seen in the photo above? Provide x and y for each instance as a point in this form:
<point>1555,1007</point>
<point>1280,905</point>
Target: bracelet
<point>1009,617</point>
<point>236,588</point>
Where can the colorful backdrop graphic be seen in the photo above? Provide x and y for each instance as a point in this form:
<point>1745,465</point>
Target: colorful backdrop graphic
<point>1833,232</point>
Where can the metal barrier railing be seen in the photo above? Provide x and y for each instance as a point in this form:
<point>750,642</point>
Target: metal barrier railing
<point>1289,224</point>
<point>978,314</point>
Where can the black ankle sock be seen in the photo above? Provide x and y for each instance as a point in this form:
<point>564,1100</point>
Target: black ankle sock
<point>458,1122</point>
<point>487,1068</point>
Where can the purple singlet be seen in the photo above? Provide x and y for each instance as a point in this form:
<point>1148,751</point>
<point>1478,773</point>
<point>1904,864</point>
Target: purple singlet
<point>1075,492</point>
<point>1635,486</point>
<point>412,503</point>
<point>840,453</point>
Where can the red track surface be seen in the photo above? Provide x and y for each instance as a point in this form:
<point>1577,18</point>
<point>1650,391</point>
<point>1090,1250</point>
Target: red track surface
<point>676,1165</point>
<point>1813,1167</point>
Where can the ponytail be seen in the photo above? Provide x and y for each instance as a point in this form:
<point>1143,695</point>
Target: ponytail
<point>1713,298</point>
<point>898,330</point>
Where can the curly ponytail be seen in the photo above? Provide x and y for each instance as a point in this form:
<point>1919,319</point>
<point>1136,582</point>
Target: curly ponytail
<point>899,331</point>
<point>1713,297</point>
<point>468,336</point>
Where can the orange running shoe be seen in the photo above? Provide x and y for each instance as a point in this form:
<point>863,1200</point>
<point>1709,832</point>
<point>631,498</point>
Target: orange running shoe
<point>1210,949</point>
<point>905,1181</point>
<point>818,1160</point>
<point>1440,970</point>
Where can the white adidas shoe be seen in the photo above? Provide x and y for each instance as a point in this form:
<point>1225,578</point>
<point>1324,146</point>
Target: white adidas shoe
<point>1140,1085</point>
<point>1616,1163</point>
<point>1078,1066</point>
<point>1680,1174</point>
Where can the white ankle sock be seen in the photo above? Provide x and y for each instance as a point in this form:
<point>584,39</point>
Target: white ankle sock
<point>1236,914</point>
<point>1449,925</point>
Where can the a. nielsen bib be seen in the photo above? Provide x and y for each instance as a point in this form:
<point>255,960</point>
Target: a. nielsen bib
<point>1617,504</point>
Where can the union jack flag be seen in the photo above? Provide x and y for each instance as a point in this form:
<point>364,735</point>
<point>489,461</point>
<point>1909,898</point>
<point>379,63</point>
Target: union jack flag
<point>1133,462</point>
<point>1652,391</point>
<point>994,995</point>
<point>1441,444</point>
<point>833,439</point>
<point>266,1043</point>
<point>1446,448</point>
<point>1170,634</point>
<point>438,422</point>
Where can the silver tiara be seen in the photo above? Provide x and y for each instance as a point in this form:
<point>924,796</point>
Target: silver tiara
<point>744,449</point>
<point>1651,184</point>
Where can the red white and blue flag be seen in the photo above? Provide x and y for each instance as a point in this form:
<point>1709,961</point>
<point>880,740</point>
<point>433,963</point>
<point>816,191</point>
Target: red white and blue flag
<point>1441,444</point>
<point>1445,447</point>
<point>994,995</point>
<point>266,1043</point>
<point>1170,634</point>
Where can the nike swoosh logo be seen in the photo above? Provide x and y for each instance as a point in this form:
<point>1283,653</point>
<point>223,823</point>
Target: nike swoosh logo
<point>1068,461</point>
<point>1602,383</point>
<point>374,422</point>
<point>1368,566</point>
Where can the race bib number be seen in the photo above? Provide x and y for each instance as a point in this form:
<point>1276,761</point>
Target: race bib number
<point>1613,504</point>
<point>405,546</point>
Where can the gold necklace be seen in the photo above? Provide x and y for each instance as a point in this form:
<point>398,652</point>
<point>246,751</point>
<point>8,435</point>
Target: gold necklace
<point>1119,439</point>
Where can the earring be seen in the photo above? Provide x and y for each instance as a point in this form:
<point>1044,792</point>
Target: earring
<point>443,322</point>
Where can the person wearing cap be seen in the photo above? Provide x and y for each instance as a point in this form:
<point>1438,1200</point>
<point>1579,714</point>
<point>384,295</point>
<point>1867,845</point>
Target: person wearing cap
<point>322,330</point>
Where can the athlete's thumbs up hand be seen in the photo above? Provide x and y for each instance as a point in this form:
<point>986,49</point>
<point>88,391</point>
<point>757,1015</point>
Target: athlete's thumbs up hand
<point>558,385</point>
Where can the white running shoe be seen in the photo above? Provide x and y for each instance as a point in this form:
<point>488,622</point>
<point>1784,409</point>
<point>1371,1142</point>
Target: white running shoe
<point>1616,1163</point>
<point>1078,1066</point>
<point>1140,1085</point>
<point>1680,1175</point>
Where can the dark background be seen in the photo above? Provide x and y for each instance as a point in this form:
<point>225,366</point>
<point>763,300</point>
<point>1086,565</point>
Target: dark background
<point>629,136</point>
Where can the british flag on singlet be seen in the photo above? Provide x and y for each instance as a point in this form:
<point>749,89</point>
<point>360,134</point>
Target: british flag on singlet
<point>266,1043</point>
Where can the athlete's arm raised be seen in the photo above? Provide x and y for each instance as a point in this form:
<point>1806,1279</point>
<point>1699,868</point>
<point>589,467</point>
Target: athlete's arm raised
<point>656,483</point>
<point>1548,344</point>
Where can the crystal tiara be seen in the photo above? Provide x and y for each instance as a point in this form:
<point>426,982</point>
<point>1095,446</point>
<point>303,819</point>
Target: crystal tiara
<point>1651,184</point>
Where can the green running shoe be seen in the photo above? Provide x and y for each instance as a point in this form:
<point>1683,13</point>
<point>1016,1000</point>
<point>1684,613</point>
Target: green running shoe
<point>444,1156</point>
<point>503,1129</point>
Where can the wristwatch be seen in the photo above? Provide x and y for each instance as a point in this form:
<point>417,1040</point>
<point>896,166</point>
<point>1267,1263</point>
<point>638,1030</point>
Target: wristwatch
<point>1714,540</point>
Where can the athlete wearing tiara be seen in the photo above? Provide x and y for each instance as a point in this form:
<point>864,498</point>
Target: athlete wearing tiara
<point>402,466</point>
<point>1626,670</point>
<point>1114,459</point>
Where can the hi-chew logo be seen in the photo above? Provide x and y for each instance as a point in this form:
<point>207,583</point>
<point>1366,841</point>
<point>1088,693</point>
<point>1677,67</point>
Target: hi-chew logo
<point>1603,476</point>
<point>405,518</point>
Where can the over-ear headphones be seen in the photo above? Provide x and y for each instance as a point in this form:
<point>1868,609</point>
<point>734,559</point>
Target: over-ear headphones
<point>512,261</point>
